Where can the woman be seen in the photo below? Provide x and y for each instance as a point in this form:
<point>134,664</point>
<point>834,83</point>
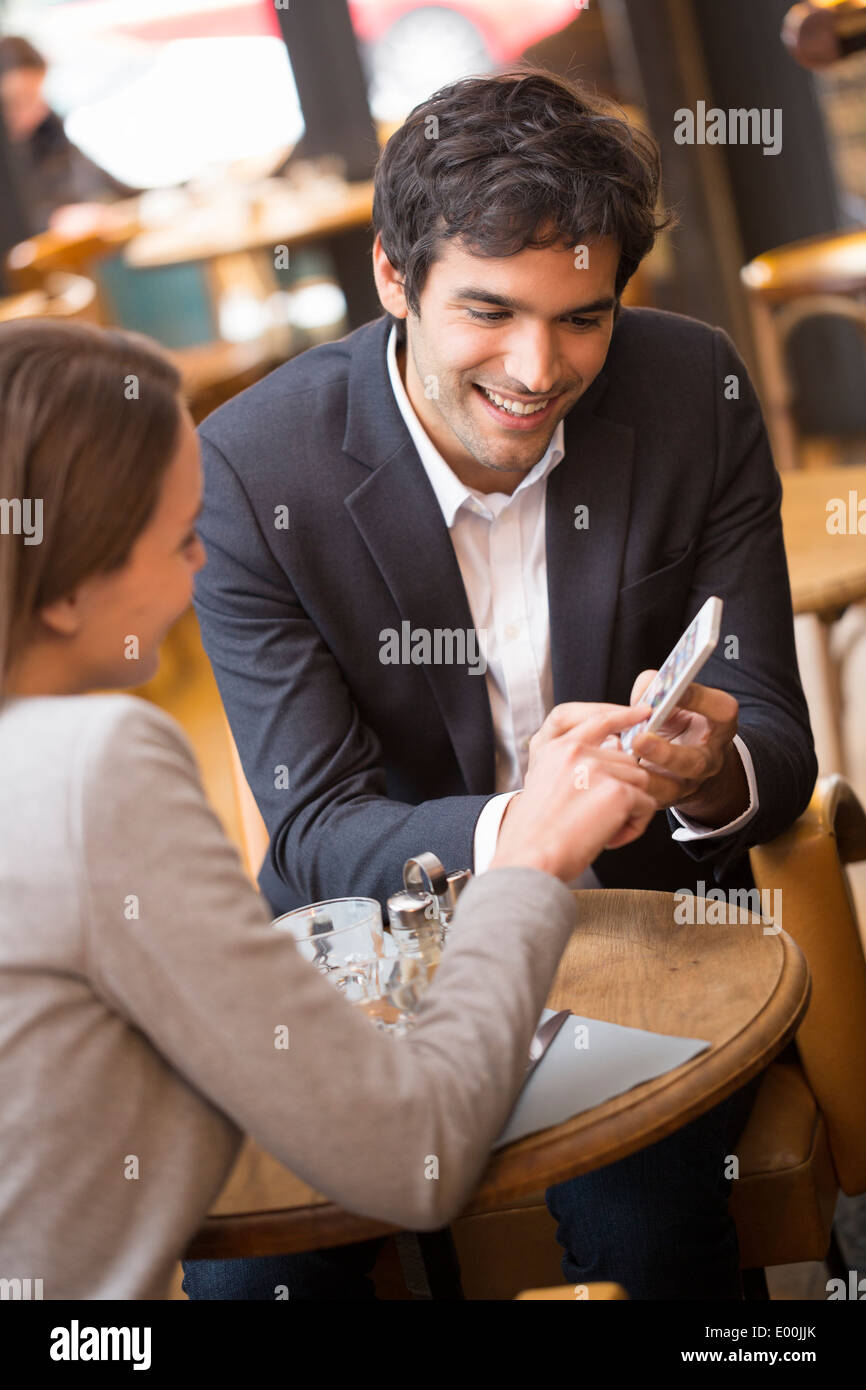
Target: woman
<point>141,986</point>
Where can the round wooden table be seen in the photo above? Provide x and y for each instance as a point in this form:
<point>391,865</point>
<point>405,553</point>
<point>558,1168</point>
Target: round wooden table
<point>264,215</point>
<point>628,962</point>
<point>256,219</point>
<point>828,572</point>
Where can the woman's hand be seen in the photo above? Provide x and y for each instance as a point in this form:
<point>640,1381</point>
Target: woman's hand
<point>580,797</point>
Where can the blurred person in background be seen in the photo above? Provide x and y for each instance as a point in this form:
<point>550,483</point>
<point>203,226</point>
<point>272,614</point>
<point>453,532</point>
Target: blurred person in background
<point>54,176</point>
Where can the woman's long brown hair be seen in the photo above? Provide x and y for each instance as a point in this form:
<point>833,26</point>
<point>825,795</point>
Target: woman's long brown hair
<point>89,422</point>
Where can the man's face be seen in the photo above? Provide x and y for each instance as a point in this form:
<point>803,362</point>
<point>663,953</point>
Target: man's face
<point>24,107</point>
<point>532,329</point>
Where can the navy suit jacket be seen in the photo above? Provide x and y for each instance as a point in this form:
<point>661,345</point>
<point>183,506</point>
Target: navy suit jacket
<point>358,765</point>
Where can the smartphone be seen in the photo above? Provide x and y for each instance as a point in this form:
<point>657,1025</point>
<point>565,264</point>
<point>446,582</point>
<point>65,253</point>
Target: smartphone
<point>679,670</point>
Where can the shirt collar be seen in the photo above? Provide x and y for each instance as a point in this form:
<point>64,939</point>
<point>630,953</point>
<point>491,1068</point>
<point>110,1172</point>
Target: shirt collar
<point>451,494</point>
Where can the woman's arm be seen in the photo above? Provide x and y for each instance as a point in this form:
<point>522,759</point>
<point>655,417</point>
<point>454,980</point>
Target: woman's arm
<point>179,944</point>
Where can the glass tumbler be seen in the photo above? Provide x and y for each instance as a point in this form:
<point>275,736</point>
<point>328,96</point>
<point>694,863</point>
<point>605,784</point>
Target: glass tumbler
<point>344,939</point>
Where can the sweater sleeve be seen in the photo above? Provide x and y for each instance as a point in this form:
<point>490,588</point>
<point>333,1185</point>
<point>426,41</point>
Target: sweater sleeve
<point>179,944</point>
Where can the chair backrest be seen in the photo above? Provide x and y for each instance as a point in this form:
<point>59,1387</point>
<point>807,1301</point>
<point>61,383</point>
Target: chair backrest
<point>61,296</point>
<point>818,277</point>
<point>29,305</point>
<point>807,863</point>
<point>255,837</point>
<point>170,303</point>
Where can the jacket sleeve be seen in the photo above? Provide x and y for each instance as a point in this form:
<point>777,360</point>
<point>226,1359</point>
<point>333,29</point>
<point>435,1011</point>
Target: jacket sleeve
<point>315,768</point>
<point>741,557</point>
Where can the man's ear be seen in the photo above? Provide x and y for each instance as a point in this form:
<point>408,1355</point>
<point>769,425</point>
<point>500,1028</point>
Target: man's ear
<point>389,282</point>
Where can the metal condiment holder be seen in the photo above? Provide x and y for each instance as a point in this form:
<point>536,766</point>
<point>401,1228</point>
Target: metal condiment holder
<point>424,876</point>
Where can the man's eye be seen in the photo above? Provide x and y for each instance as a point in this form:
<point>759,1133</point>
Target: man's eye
<point>496,316</point>
<point>189,541</point>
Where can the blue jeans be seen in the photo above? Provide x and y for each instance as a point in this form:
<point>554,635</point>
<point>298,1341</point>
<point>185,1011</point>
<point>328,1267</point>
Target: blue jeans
<point>656,1222</point>
<point>341,1273</point>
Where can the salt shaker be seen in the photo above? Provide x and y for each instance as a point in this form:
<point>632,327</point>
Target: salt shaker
<point>415,931</point>
<point>425,874</point>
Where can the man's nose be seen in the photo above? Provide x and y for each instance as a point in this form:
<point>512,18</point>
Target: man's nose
<point>532,361</point>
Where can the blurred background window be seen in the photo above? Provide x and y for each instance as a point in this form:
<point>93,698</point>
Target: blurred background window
<point>410,48</point>
<point>161,91</point>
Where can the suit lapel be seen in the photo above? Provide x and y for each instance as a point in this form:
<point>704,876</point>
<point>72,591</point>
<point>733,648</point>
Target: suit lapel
<point>397,514</point>
<point>584,565</point>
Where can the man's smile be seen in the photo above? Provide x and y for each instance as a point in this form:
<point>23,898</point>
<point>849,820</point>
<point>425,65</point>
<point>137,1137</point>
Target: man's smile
<point>516,412</point>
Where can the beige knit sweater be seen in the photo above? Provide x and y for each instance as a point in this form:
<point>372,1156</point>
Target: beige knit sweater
<point>141,990</point>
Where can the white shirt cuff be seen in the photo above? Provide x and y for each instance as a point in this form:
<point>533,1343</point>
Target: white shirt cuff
<point>693,830</point>
<point>487,830</point>
<point>487,834</point>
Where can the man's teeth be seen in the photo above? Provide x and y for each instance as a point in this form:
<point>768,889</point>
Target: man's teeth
<point>515,407</point>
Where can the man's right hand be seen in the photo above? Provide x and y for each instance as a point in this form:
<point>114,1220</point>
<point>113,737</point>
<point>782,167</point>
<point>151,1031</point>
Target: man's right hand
<point>579,797</point>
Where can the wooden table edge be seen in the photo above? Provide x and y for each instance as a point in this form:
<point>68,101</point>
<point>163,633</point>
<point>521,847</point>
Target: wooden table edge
<point>326,1225</point>
<point>329,227</point>
<point>794,979</point>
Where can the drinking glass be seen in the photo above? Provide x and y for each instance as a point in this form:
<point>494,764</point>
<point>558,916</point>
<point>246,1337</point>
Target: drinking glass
<point>344,939</point>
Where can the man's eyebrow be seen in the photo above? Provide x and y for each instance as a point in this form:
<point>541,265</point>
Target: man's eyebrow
<point>505,301</point>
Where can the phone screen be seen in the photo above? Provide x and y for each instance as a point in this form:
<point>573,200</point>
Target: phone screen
<point>670,672</point>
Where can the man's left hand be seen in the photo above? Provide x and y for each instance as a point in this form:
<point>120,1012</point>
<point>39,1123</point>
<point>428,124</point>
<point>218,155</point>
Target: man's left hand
<point>693,763</point>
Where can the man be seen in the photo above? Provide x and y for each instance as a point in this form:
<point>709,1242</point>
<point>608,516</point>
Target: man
<point>52,172</point>
<point>505,499</point>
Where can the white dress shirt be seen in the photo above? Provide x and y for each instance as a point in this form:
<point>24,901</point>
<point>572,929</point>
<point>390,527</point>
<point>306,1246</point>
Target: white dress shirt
<point>499,542</point>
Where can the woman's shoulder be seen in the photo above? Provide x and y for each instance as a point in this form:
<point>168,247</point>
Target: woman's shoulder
<point>90,730</point>
<point>118,709</point>
<point>125,729</point>
<point>92,767</point>
<point>134,763</point>
<point>104,711</point>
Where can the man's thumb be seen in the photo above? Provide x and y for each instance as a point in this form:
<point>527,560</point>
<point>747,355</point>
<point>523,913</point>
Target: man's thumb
<point>640,686</point>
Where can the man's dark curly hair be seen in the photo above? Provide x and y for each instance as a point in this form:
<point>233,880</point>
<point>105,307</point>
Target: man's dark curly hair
<point>522,158</point>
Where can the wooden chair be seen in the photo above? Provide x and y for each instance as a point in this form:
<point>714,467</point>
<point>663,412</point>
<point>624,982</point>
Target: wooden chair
<point>806,1135</point>
<point>30,261</point>
<point>181,306</point>
<point>817,276</point>
<point>62,295</point>
<point>178,305</point>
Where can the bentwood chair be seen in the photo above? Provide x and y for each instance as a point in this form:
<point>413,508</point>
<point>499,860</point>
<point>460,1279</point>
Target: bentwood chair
<point>817,277</point>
